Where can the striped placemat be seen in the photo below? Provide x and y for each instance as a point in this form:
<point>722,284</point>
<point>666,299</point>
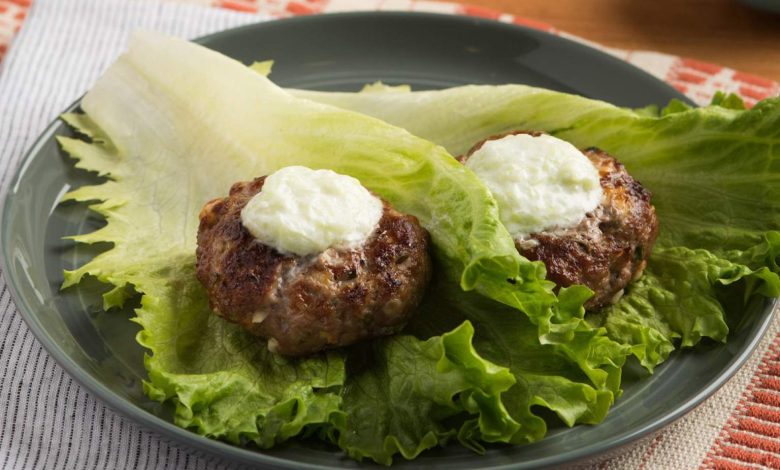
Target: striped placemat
<point>738,428</point>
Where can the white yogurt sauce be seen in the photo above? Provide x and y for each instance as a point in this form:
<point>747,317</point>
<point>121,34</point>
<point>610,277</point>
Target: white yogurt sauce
<point>540,183</point>
<point>304,211</point>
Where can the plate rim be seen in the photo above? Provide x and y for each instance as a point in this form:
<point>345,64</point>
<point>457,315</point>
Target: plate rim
<point>184,437</point>
<point>571,42</point>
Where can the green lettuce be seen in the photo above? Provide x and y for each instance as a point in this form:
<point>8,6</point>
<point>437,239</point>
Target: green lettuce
<point>172,125</point>
<point>714,173</point>
<point>399,396</point>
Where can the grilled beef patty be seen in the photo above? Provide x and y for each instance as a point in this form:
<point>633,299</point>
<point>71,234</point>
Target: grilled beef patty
<point>304,304</point>
<point>609,247</point>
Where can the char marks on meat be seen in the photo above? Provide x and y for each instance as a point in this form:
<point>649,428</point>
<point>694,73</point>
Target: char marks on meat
<point>304,304</point>
<point>610,246</point>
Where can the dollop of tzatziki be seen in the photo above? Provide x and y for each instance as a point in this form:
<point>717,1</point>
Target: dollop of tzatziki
<point>304,211</point>
<point>540,183</point>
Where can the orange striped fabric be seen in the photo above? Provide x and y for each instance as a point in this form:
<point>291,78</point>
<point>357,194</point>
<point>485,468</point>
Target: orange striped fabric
<point>752,434</point>
<point>12,14</point>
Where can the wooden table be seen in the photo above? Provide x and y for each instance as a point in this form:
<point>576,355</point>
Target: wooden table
<point>725,32</point>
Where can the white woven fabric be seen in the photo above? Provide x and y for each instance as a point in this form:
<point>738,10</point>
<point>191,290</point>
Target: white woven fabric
<point>49,421</point>
<point>46,419</point>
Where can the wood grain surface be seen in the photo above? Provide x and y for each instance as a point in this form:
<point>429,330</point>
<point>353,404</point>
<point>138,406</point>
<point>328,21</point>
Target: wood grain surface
<point>725,32</point>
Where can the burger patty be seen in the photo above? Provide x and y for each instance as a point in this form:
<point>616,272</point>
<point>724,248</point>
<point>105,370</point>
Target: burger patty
<point>609,247</point>
<point>304,304</point>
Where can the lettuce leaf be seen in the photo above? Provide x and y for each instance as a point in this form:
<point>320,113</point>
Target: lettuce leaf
<point>714,173</point>
<point>387,397</point>
<point>169,137</point>
<point>578,380</point>
<point>656,312</point>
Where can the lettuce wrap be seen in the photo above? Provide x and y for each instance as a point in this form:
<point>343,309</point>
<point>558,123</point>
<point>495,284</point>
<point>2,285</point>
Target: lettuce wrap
<point>172,125</point>
<point>714,173</point>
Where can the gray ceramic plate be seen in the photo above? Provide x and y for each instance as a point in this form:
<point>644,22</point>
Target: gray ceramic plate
<point>344,52</point>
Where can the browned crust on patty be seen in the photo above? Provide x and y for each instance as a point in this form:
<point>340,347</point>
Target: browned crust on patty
<point>304,304</point>
<point>610,246</point>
